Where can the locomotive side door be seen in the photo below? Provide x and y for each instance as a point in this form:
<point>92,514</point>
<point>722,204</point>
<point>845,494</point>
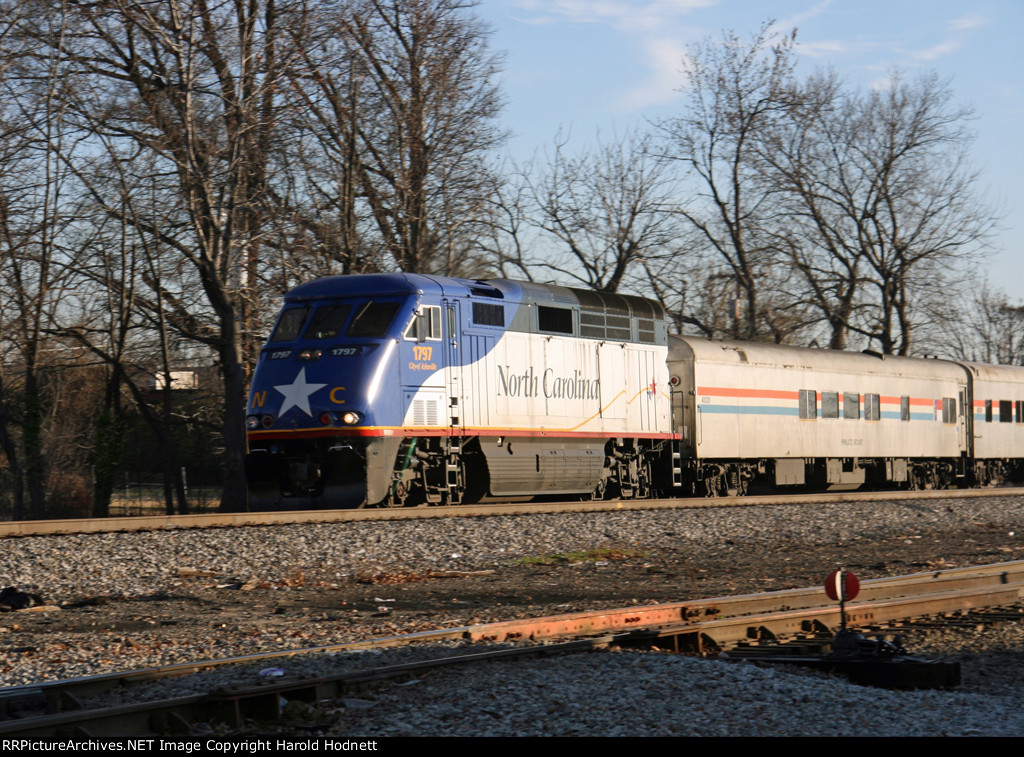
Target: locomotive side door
<point>685,408</point>
<point>421,370</point>
<point>453,365</point>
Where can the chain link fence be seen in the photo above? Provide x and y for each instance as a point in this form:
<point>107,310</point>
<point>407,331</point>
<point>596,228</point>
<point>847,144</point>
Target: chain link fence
<point>136,493</point>
<point>143,494</point>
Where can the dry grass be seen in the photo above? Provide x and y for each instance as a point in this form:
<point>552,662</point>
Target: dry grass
<point>587,555</point>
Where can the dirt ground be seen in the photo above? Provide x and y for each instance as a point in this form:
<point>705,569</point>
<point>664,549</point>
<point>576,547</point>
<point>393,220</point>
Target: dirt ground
<point>201,608</point>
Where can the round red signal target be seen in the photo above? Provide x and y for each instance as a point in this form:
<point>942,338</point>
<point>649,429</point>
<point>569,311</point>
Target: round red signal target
<point>842,585</point>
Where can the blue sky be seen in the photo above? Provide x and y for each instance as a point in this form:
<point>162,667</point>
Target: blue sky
<point>589,66</point>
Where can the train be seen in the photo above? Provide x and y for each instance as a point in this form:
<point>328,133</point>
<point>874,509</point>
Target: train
<point>400,389</point>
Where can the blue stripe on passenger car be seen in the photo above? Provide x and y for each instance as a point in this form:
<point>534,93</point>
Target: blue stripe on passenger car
<point>748,409</point>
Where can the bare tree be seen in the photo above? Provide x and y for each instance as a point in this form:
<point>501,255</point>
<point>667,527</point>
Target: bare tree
<point>193,86</point>
<point>881,199</point>
<point>117,316</point>
<point>174,134</point>
<point>398,102</point>
<point>35,213</point>
<point>984,326</point>
<point>735,91</point>
<point>805,147</point>
<point>508,234</point>
<point>603,213</point>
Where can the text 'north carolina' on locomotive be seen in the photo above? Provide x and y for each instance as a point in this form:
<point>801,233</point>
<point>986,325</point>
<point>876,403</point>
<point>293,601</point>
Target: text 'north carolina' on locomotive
<point>403,389</point>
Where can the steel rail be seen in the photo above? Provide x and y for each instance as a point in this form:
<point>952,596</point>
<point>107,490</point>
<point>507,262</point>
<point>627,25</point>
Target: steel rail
<point>702,624</point>
<point>234,520</point>
<point>234,705</point>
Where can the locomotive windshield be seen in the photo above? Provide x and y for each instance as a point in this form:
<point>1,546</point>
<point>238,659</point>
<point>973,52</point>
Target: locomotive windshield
<point>288,326</point>
<point>327,322</point>
<point>373,319</point>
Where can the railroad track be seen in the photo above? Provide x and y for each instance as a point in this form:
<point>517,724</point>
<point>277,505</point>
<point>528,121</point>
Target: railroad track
<point>226,520</point>
<point>702,626</point>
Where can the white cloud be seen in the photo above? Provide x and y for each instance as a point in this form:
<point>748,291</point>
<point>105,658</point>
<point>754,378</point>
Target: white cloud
<point>967,22</point>
<point>958,30</point>
<point>783,25</point>
<point>664,63</point>
<point>881,83</point>
<point>657,29</point>
<point>939,50</point>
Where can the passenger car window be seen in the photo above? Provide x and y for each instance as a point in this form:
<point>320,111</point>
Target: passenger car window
<point>948,410</point>
<point>1005,411</point>
<point>851,405</point>
<point>872,408</point>
<point>808,404</point>
<point>830,404</point>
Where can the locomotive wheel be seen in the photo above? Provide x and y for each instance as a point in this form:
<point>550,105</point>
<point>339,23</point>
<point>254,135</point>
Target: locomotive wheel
<point>945,480</point>
<point>399,493</point>
<point>600,490</point>
<point>916,481</point>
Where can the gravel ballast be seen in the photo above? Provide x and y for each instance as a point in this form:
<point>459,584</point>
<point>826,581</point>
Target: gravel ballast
<point>142,599</point>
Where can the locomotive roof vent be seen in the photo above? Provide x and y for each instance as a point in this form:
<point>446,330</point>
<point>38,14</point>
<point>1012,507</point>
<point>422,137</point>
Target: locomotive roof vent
<point>485,290</point>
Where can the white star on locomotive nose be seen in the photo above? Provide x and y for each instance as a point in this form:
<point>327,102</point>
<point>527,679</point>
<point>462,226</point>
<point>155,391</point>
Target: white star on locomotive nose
<point>297,393</point>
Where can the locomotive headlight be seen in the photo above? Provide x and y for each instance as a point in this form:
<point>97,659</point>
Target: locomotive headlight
<point>268,421</point>
<point>351,418</point>
<point>252,422</point>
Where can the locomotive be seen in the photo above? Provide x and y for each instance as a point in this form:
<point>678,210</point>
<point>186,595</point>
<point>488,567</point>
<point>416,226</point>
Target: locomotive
<point>406,389</point>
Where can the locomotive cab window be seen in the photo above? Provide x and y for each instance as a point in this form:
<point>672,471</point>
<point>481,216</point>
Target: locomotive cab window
<point>808,404</point>
<point>289,325</point>
<point>426,324</point>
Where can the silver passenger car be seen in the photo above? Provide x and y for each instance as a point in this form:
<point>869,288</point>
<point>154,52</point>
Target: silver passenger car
<point>823,417</point>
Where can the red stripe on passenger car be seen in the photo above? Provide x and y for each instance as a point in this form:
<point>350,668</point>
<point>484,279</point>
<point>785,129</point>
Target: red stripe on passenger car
<point>721,391</point>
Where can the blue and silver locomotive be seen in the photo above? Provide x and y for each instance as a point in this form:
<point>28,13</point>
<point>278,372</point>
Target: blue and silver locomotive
<point>395,389</point>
